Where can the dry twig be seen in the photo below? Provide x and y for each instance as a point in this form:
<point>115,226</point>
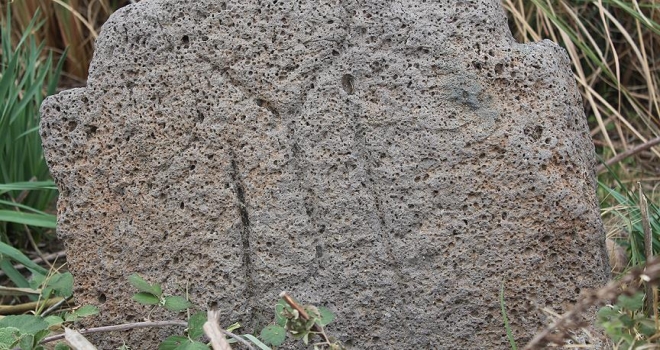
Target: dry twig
<point>121,327</point>
<point>643,147</point>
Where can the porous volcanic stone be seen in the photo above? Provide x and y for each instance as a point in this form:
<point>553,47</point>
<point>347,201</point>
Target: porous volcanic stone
<point>395,161</point>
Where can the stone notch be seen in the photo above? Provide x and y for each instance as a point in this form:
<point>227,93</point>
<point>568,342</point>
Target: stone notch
<point>395,161</point>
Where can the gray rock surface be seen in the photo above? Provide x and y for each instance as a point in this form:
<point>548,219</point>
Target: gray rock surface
<point>395,161</point>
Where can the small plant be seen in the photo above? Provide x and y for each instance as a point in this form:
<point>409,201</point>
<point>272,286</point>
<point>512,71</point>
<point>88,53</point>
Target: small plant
<point>626,323</point>
<point>24,331</point>
<point>152,294</point>
<point>29,331</point>
<point>32,331</point>
<point>302,322</point>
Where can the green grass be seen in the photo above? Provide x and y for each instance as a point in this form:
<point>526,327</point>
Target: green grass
<point>505,319</point>
<point>625,208</point>
<point>26,188</point>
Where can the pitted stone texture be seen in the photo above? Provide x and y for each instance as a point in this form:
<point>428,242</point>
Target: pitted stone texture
<point>395,161</point>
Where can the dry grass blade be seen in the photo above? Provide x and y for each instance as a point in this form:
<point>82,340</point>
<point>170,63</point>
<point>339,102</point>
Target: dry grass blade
<point>648,242</point>
<point>212,330</point>
<point>522,24</point>
<point>640,54</point>
<point>77,340</point>
<point>608,35</point>
<point>82,19</point>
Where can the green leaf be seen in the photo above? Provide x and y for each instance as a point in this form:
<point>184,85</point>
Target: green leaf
<point>176,303</point>
<point>647,327</point>
<point>172,342</point>
<point>628,340</point>
<point>41,335</point>
<point>62,284</point>
<point>146,298</point>
<point>632,303</point>
<point>27,185</point>
<point>273,335</point>
<point>84,311</point>
<point>158,291</point>
<point>8,336</point>
<point>327,316</point>
<point>282,309</point>
<point>143,286</point>
<point>62,346</point>
<point>234,326</point>
<point>505,318</point>
<point>196,324</point>
<point>37,280</point>
<point>626,320</point>
<point>193,345</point>
<point>18,256</point>
<point>15,276</point>
<point>26,324</point>
<point>26,342</point>
<point>53,320</point>
<point>30,219</point>
<point>606,313</point>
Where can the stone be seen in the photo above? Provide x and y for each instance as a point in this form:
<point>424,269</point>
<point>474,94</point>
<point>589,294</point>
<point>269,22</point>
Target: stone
<point>395,161</point>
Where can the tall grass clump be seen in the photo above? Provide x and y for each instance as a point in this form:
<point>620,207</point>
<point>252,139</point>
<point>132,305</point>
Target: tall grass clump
<point>27,75</point>
<point>71,24</point>
<point>637,227</point>
<point>614,46</point>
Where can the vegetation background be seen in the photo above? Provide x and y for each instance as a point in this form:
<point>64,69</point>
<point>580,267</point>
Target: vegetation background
<point>614,46</point>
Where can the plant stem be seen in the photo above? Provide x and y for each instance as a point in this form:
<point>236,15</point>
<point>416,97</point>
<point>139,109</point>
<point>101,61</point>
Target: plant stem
<point>121,327</point>
<point>20,308</point>
<point>648,245</point>
<point>55,306</point>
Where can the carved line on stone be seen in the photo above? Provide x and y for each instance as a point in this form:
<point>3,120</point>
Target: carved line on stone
<point>384,231</point>
<point>245,231</point>
<point>310,210</point>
